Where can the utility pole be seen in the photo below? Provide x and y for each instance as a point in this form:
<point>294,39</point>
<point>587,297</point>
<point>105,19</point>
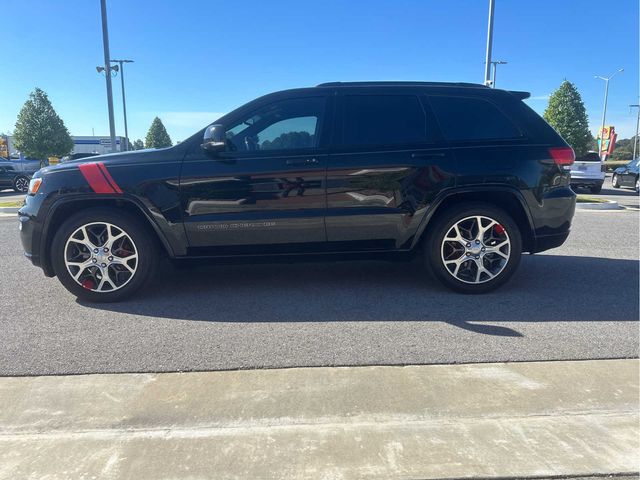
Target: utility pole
<point>636,140</point>
<point>606,96</point>
<point>124,102</point>
<point>487,62</point>
<point>495,63</point>
<point>107,65</point>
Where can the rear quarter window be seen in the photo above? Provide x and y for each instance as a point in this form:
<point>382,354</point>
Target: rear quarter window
<point>469,119</point>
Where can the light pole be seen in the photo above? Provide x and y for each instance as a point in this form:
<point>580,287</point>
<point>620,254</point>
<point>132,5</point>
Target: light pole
<point>606,95</point>
<point>487,62</point>
<point>495,64</point>
<point>636,140</point>
<point>124,102</point>
<point>107,67</point>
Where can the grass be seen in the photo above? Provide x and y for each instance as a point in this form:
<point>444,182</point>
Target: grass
<point>588,199</point>
<point>11,204</point>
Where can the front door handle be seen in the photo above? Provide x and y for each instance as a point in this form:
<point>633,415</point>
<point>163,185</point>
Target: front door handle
<point>306,161</point>
<point>428,155</point>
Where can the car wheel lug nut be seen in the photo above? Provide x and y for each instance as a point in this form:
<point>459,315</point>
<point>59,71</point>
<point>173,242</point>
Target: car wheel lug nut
<point>106,249</point>
<point>104,264</point>
<point>111,259</point>
<point>95,250</point>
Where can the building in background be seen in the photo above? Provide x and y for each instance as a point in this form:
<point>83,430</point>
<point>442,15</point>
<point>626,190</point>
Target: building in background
<point>83,144</point>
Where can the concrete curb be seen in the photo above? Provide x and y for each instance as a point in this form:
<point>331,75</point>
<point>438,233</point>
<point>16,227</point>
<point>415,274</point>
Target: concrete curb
<point>9,209</point>
<point>518,420</point>
<point>605,205</point>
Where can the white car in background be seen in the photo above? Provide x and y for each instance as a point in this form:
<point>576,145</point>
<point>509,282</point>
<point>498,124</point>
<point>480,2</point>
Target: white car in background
<point>588,171</point>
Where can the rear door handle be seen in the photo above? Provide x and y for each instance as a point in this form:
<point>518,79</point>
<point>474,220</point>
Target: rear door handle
<point>428,155</point>
<point>306,161</point>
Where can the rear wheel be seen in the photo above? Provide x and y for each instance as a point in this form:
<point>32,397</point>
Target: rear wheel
<point>21,184</point>
<point>614,181</point>
<point>596,188</point>
<point>473,248</point>
<point>102,255</point>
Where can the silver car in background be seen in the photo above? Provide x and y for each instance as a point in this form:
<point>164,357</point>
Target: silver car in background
<point>588,171</point>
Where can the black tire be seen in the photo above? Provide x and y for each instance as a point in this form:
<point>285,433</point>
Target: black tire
<point>143,240</point>
<point>614,181</point>
<point>596,189</point>
<point>21,184</point>
<point>444,222</point>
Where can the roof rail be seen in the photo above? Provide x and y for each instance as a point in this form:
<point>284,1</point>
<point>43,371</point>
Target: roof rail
<point>408,83</point>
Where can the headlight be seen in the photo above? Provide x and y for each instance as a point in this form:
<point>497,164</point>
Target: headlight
<point>34,186</point>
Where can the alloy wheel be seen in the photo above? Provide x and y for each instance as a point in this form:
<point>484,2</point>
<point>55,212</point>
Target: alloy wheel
<point>101,257</point>
<point>22,184</point>
<point>475,249</point>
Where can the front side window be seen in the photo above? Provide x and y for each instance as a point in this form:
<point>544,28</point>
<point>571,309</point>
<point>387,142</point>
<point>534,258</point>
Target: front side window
<point>468,119</point>
<point>383,120</point>
<point>286,125</point>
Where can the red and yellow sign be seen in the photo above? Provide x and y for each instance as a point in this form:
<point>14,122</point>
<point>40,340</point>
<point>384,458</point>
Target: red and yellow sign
<point>607,140</point>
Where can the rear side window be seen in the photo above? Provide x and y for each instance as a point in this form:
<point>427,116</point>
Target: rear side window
<point>383,120</point>
<point>466,119</point>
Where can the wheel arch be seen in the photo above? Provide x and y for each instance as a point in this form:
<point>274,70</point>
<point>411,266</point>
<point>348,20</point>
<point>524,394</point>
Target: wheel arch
<point>63,209</point>
<point>507,199</point>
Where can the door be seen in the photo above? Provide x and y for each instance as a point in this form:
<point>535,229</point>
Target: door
<point>628,176</point>
<point>266,191</point>
<point>7,173</point>
<point>385,170</point>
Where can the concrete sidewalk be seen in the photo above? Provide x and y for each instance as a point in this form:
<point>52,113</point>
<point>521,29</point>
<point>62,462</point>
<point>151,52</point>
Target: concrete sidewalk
<point>486,420</point>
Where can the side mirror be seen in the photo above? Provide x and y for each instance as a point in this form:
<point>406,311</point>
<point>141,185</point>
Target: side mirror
<point>214,138</point>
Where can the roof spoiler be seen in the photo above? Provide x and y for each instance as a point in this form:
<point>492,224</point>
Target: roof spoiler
<point>520,95</point>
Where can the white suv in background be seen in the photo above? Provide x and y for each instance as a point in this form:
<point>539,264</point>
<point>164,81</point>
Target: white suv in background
<point>588,171</point>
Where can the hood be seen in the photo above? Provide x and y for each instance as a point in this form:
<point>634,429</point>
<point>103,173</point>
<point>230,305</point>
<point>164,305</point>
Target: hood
<point>120,158</point>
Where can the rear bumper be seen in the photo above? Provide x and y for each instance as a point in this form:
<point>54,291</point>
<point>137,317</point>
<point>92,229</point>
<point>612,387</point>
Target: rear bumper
<point>586,182</point>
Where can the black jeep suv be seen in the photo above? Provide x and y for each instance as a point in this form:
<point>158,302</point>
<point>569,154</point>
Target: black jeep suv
<point>468,176</point>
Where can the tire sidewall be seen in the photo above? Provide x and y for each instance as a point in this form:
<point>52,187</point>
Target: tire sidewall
<point>443,224</point>
<point>144,244</point>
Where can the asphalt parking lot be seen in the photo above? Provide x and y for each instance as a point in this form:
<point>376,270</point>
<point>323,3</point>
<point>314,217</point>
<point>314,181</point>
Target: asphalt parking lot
<point>579,301</point>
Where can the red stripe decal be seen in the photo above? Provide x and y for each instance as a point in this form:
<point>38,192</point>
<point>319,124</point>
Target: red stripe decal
<point>109,178</point>
<point>97,181</point>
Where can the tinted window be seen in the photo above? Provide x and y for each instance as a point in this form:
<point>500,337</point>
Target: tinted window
<point>286,125</point>
<point>381,120</point>
<point>471,119</point>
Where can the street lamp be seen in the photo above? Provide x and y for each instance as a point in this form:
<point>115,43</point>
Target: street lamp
<point>124,102</point>
<point>636,139</point>
<point>494,64</point>
<point>487,62</point>
<point>606,95</point>
<point>107,63</point>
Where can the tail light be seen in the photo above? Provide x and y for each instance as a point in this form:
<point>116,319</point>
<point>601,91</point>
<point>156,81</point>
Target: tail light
<point>562,156</point>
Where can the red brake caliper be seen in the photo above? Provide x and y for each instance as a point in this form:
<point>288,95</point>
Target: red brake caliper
<point>88,284</point>
<point>499,229</point>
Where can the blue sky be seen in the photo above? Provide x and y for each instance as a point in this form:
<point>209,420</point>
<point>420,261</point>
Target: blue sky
<point>197,59</point>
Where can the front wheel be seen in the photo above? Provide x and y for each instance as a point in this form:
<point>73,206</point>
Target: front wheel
<point>473,248</point>
<point>103,255</point>
<point>615,182</point>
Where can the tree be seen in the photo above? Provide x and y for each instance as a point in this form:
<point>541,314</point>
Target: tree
<point>157,136</point>
<point>566,113</point>
<point>137,145</point>
<point>40,133</point>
